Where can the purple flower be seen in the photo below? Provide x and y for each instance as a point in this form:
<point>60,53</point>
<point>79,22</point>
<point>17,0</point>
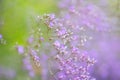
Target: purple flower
<point>85,14</point>
<point>0,36</point>
<point>30,40</point>
<point>28,66</point>
<point>20,49</point>
<point>73,40</point>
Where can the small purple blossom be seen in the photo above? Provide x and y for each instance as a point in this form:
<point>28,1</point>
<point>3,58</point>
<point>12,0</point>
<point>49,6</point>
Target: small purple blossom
<point>20,49</point>
<point>0,36</point>
<point>30,40</point>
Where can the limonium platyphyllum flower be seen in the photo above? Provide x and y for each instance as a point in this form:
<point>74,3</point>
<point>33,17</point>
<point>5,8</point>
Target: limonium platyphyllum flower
<point>85,14</point>
<point>104,45</point>
<point>65,58</point>
<point>62,50</point>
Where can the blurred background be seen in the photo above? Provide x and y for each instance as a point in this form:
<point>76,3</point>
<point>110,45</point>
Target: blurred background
<point>15,21</point>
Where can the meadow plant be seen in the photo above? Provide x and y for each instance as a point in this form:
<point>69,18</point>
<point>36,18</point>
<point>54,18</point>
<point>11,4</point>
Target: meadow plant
<point>103,26</point>
<point>61,49</point>
<point>65,59</point>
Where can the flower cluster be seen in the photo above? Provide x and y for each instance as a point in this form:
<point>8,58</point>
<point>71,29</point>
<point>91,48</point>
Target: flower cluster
<point>62,49</point>
<point>31,60</point>
<point>104,45</point>
<point>85,14</point>
<point>72,62</point>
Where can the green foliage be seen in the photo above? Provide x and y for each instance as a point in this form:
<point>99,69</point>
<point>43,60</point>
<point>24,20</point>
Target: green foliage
<point>15,19</point>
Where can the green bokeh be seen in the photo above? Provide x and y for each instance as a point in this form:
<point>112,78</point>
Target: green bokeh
<point>15,21</point>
